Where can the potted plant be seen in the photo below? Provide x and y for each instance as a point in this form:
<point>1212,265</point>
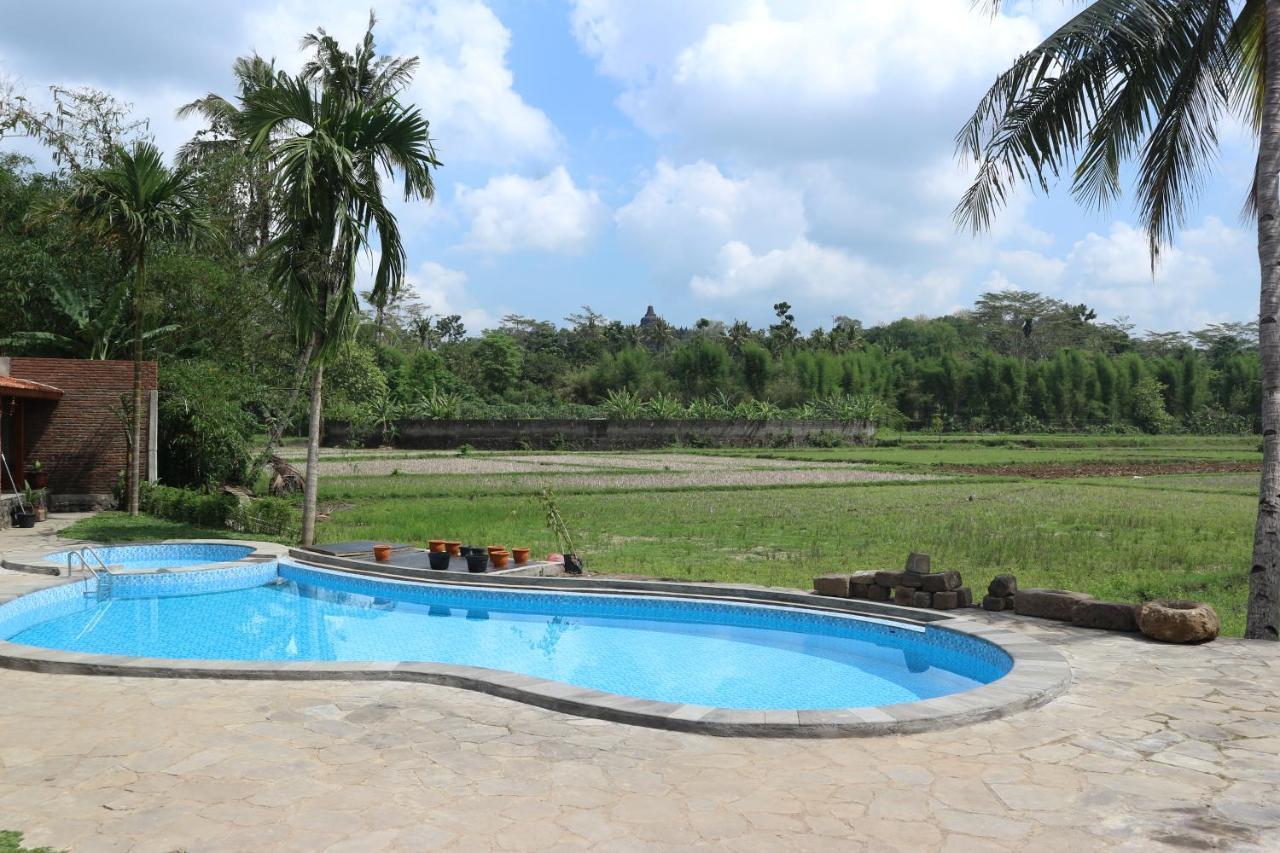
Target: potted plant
<point>40,503</point>
<point>25,516</point>
<point>555,522</point>
<point>39,476</point>
<point>439,560</point>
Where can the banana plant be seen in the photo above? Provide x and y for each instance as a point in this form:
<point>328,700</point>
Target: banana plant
<point>100,321</point>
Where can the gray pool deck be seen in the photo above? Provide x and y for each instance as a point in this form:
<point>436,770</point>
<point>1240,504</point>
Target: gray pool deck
<point>1151,748</point>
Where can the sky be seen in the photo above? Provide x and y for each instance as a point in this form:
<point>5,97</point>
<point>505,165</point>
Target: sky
<point>709,158</point>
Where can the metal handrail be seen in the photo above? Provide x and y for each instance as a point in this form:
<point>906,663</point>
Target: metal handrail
<point>84,562</point>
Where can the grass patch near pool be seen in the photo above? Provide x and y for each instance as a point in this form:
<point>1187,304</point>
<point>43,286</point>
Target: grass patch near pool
<point>109,528</point>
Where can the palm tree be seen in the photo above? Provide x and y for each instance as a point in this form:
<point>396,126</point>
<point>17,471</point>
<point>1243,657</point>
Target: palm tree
<point>133,202</point>
<point>330,135</point>
<point>1149,81</point>
<point>220,138</point>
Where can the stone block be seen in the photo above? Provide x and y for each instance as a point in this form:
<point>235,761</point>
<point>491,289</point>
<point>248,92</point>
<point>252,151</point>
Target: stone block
<point>918,563</point>
<point>1002,586</point>
<point>833,585</point>
<point>858,590</point>
<point>993,603</point>
<point>862,577</point>
<point>889,579</point>
<point>921,599</point>
<point>875,592</point>
<point>903,596</point>
<point>1008,602</point>
<point>947,600</point>
<point>966,596</point>
<point>912,580</point>
<point>1178,621</point>
<point>1105,615</point>
<point>941,581</point>
<point>1048,603</point>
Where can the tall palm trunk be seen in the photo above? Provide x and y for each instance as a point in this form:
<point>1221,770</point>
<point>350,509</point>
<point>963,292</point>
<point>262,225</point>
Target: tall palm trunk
<point>1263,619</point>
<point>312,483</point>
<point>135,450</point>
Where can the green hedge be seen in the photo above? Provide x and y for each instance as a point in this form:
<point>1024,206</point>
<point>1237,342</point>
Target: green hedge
<point>269,516</point>
<point>203,509</point>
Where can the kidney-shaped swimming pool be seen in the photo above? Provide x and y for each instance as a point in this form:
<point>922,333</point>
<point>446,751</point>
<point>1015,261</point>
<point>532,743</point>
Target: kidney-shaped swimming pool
<point>721,654</point>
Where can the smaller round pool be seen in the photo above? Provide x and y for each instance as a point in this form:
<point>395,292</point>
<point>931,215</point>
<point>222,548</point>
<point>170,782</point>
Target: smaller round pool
<point>165,555</point>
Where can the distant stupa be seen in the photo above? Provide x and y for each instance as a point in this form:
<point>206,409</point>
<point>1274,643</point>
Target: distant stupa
<point>649,318</point>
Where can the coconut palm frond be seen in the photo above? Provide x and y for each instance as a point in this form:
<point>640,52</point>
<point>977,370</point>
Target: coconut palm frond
<point>1121,80</point>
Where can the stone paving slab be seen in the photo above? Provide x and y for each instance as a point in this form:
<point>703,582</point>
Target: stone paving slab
<point>1153,748</point>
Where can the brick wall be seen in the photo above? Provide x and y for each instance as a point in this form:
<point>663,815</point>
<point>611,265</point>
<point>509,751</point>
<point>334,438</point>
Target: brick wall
<point>80,438</point>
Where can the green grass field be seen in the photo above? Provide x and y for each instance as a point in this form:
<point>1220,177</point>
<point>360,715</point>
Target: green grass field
<point>1121,537</point>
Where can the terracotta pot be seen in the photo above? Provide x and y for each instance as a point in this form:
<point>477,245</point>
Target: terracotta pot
<point>521,555</point>
<point>493,549</point>
<point>436,545</point>
<point>382,553</point>
<point>499,558</point>
<point>42,513</point>
<point>454,548</point>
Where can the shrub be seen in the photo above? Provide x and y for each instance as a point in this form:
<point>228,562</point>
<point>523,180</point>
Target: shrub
<point>204,509</point>
<point>204,428</point>
<point>266,516</point>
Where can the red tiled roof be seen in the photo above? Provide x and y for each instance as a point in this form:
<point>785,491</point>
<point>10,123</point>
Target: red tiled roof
<point>16,387</point>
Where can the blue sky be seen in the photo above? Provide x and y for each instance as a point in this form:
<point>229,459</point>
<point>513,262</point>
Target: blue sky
<point>710,158</point>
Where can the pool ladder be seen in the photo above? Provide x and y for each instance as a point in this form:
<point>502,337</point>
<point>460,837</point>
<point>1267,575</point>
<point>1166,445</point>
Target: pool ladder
<point>102,575</point>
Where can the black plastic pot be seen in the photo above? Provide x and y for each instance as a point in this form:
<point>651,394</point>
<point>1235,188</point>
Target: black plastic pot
<point>472,549</point>
<point>25,519</point>
<point>439,560</point>
<point>572,564</point>
<point>477,562</point>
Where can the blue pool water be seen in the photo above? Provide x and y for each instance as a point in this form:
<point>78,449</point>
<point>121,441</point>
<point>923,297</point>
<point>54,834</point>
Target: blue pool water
<point>175,555</point>
<point>672,650</point>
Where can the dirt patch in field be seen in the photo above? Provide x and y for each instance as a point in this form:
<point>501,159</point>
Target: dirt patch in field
<point>374,463</point>
<point>1057,471</point>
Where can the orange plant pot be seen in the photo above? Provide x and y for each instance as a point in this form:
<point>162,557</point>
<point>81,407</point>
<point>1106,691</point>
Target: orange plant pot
<point>499,558</point>
<point>382,553</point>
<point>493,549</point>
<point>521,555</point>
<point>436,545</point>
<point>454,548</point>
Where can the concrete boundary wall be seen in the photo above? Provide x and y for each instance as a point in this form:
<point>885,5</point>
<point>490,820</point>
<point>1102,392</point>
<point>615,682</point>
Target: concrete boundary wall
<point>601,434</point>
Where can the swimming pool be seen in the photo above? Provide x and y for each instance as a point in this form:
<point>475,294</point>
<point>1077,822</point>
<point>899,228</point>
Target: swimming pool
<point>162,555</point>
<point>668,650</point>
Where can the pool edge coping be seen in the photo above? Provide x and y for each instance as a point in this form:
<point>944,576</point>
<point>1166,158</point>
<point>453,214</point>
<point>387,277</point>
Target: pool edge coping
<point>1039,673</point>
<point>34,562</point>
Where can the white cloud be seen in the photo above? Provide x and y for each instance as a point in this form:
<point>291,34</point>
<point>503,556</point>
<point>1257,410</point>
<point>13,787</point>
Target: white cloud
<point>511,213</point>
<point>682,215</point>
<point>781,79</point>
<point>463,84</point>
<point>1112,273</point>
<point>826,276</point>
<point>444,291</point>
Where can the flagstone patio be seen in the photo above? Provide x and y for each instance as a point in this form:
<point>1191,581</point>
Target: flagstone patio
<point>1153,747</point>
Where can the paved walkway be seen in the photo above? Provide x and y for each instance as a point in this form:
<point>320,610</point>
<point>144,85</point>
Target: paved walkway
<point>1155,748</point>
